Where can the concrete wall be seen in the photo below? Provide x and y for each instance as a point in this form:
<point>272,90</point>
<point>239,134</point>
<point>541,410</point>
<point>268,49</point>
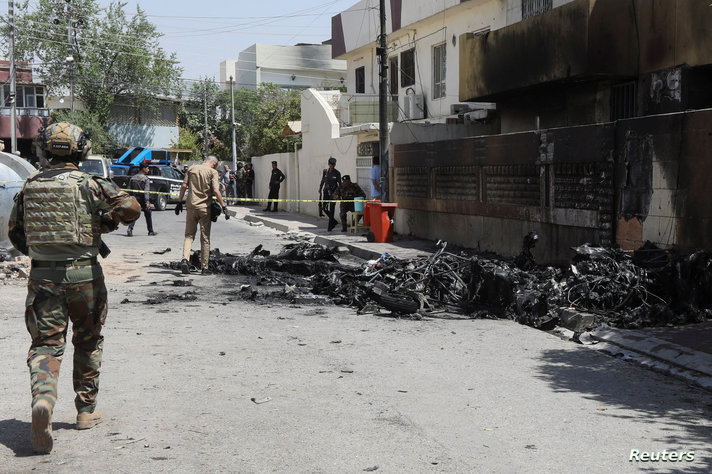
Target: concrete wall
<point>664,171</point>
<point>262,165</point>
<point>624,182</point>
<point>321,139</point>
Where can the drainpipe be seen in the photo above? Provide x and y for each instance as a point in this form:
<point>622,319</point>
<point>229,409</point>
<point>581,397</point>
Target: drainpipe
<point>296,166</point>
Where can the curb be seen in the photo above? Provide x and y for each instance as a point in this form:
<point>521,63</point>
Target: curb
<point>657,348</point>
<point>269,223</point>
<point>355,250</point>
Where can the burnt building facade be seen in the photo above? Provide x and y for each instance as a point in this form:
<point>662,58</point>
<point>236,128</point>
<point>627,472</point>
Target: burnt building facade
<point>603,134</point>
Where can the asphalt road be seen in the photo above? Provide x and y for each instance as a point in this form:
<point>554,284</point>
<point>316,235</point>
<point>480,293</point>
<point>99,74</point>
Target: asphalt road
<point>223,385</point>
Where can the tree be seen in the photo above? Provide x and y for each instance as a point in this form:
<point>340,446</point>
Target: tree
<point>102,142</point>
<point>192,113</point>
<point>275,107</point>
<point>261,115</point>
<point>102,52</point>
<point>187,140</point>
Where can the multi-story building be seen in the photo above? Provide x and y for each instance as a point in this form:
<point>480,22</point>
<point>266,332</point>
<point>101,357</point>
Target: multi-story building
<point>301,66</point>
<point>31,108</point>
<point>582,120</point>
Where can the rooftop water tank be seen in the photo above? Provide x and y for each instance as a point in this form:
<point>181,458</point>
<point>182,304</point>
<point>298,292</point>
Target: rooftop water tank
<point>13,173</point>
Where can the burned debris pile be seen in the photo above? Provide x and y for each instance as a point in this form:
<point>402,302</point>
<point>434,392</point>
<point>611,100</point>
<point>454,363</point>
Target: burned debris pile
<point>13,268</point>
<point>601,286</point>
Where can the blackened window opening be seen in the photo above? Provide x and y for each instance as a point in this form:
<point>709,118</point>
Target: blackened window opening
<point>360,80</point>
<point>532,8</point>
<point>623,101</point>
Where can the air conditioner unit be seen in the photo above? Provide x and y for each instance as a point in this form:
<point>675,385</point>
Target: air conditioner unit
<point>461,108</point>
<point>413,106</point>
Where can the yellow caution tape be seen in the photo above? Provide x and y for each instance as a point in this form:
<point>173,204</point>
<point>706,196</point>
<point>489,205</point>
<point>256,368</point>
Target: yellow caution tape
<point>256,199</point>
<point>175,194</point>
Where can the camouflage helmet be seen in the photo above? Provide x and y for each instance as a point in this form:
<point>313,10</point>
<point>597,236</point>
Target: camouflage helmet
<point>64,140</point>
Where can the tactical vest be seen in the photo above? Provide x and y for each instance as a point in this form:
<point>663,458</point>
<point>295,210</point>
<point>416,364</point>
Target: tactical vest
<point>57,209</point>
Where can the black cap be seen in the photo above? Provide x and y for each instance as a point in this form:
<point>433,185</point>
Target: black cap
<point>274,162</point>
<point>345,177</point>
<point>332,160</point>
<point>145,164</point>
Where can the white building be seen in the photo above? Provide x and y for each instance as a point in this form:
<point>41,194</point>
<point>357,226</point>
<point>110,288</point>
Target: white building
<point>302,66</point>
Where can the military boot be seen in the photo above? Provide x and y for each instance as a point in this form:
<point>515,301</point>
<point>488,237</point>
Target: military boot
<point>88,420</point>
<point>41,434</point>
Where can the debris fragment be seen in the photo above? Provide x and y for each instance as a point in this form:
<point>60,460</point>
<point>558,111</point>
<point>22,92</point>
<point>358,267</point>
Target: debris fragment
<point>261,400</point>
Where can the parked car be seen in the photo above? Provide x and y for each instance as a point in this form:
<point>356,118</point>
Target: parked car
<point>136,155</point>
<point>98,166</point>
<point>165,179</point>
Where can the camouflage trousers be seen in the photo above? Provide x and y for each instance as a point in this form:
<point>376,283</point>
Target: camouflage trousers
<point>49,309</point>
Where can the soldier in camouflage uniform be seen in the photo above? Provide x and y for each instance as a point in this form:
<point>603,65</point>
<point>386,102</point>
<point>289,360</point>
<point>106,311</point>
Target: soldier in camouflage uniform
<point>57,219</point>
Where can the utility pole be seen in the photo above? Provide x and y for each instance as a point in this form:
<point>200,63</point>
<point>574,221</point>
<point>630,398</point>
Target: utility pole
<point>382,103</point>
<point>70,56</point>
<point>205,115</point>
<point>234,143</point>
<point>69,60</point>
<point>13,85</point>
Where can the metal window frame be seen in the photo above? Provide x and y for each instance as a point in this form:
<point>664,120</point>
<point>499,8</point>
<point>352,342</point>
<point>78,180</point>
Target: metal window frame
<point>439,55</point>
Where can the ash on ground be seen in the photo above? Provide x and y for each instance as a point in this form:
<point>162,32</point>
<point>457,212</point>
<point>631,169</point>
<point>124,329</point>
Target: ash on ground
<point>601,286</point>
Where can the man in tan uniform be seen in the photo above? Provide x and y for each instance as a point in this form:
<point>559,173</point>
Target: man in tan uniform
<point>203,182</point>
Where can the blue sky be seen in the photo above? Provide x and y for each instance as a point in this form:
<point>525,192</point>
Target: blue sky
<point>203,33</point>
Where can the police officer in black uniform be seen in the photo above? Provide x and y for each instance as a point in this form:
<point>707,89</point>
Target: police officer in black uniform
<point>330,183</point>
<point>140,187</point>
<point>275,180</point>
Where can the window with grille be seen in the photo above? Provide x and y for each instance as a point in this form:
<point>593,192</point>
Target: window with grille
<point>623,100</point>
<point>360,80</point>
<point>439,71</point>
<point>408,68</point>
<point>532,8</point>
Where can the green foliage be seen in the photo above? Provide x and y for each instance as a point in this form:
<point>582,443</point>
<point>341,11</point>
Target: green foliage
<point>113,54</point>
<point>260,117</point>
<point>102,142</point>
<point>187,140</point>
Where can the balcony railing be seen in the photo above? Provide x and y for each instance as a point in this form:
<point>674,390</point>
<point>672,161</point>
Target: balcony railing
<point>354,109</point>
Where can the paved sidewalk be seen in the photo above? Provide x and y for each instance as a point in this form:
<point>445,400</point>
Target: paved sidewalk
<point>402,246</point>
<point>682,351</point>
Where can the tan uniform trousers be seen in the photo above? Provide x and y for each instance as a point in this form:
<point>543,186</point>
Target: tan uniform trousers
<point>193,217</point>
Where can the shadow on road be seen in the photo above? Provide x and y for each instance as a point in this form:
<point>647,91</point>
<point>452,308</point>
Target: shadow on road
<point>683,413</point>
<point>15,434</point>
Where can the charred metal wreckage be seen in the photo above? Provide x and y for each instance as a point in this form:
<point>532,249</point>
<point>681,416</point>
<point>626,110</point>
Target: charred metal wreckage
<point>602,286</point>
